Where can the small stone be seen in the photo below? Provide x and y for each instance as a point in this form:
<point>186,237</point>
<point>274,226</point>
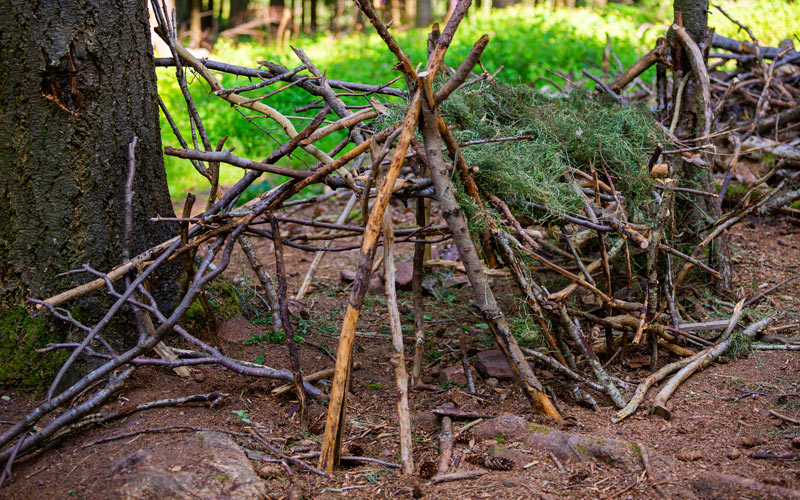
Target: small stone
<point>689,455</point>
<point>733,454</point>
<point>752,441</point>
<point>492,382</point>
<point>453,375</point>
<point>403,274</point>
<point>267,471</point>
<point>493,364</point>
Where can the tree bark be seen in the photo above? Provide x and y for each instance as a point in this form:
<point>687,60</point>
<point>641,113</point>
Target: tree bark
<point>77,83</point>
<point>693,16</point>
<point>424,12</point>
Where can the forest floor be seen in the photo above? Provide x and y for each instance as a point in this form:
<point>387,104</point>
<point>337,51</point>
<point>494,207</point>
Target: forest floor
<point>720,417</point>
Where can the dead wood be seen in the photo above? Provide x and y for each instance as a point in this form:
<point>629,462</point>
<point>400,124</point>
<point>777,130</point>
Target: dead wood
<point>710,485</point>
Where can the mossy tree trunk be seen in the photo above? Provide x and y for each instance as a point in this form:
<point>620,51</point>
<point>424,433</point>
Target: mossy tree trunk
<point>77,83</point>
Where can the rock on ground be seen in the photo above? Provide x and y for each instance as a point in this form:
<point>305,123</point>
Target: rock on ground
<point>205,465</point>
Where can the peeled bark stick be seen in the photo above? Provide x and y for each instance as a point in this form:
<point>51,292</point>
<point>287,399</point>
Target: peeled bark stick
<point>644,385</point>
<point>346,122</point>
<point>700,71</point>
<point>559,367</point>
<point>658,54</point>
<point>287,322</point>
<point>398,357</point>
<point>485,299</point>
<point>445,445</point>
<point>703,359</point>
<point>579,339</point>
<point>334,425</point>
<point>312,269</point>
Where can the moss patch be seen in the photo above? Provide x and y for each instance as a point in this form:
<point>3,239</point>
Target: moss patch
<point>20,336</point>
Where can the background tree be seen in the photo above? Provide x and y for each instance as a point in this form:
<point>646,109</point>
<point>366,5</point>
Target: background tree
<point>77,83</point>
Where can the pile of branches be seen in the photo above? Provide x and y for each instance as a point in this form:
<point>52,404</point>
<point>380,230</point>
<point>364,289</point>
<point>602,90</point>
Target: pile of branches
<point>593,171</point>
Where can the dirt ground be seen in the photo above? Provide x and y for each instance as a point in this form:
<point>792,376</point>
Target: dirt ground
<point>721,416</point>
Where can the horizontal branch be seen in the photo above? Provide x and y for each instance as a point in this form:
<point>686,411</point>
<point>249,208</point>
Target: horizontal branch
<point>260,73</point>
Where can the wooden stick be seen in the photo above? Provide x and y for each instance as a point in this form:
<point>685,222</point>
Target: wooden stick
<point>398,357</point>
<point>312,377</point>
<point>534,295</point>
<point>287,323</point>
<point>264,279</point>
<point>704,359</point>
<point>418,298</point>
<point>458,476</point>
<point>578,338</point>
<point>658,54</point>
<point>334,425</point>
<point>592,267</point>
<point>469,256</point>
<point>445,445</point>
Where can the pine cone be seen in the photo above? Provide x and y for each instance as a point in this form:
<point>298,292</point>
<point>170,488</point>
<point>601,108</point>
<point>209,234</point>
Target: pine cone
<point>463,438</point>
<point>498,463</point>
<point>428,469</point>
<point>476,458</point>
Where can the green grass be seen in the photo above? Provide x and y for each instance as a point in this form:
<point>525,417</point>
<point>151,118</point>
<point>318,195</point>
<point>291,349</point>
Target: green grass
<point>524,40</point>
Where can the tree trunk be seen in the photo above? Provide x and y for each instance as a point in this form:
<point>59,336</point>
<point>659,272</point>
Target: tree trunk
<point>77,83</point>
<point>195,24</point>
<point>424,12</point>
<point>239,12</point>
<point>693,16</point>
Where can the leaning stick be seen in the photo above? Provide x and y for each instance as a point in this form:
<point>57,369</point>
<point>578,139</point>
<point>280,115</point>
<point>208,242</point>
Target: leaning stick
<point>704,359</point>
<point>334,425</point>
<point>418,298</point>
<point>398,357</point>
<point>579,339</point>
<point>658,54</point>
<point>264,279</point>
<point>592,267</point>
<point>283,302</point>
<point>644,386</point>
<point>485,299</point>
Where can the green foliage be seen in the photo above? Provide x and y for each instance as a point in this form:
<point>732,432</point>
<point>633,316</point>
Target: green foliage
<point>20,336</point>
<point>273,337</point>
<point>374,386</point>
<point>569,133</point>
<point>740,346</point>
<point>525,329</point>
<point>242,414</point>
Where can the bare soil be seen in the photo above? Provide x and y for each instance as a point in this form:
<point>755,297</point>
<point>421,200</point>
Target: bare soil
<point>721,416</point>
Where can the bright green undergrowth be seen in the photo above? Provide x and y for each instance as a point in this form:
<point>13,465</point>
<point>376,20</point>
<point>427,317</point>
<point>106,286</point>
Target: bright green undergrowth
<point>526,41</point>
